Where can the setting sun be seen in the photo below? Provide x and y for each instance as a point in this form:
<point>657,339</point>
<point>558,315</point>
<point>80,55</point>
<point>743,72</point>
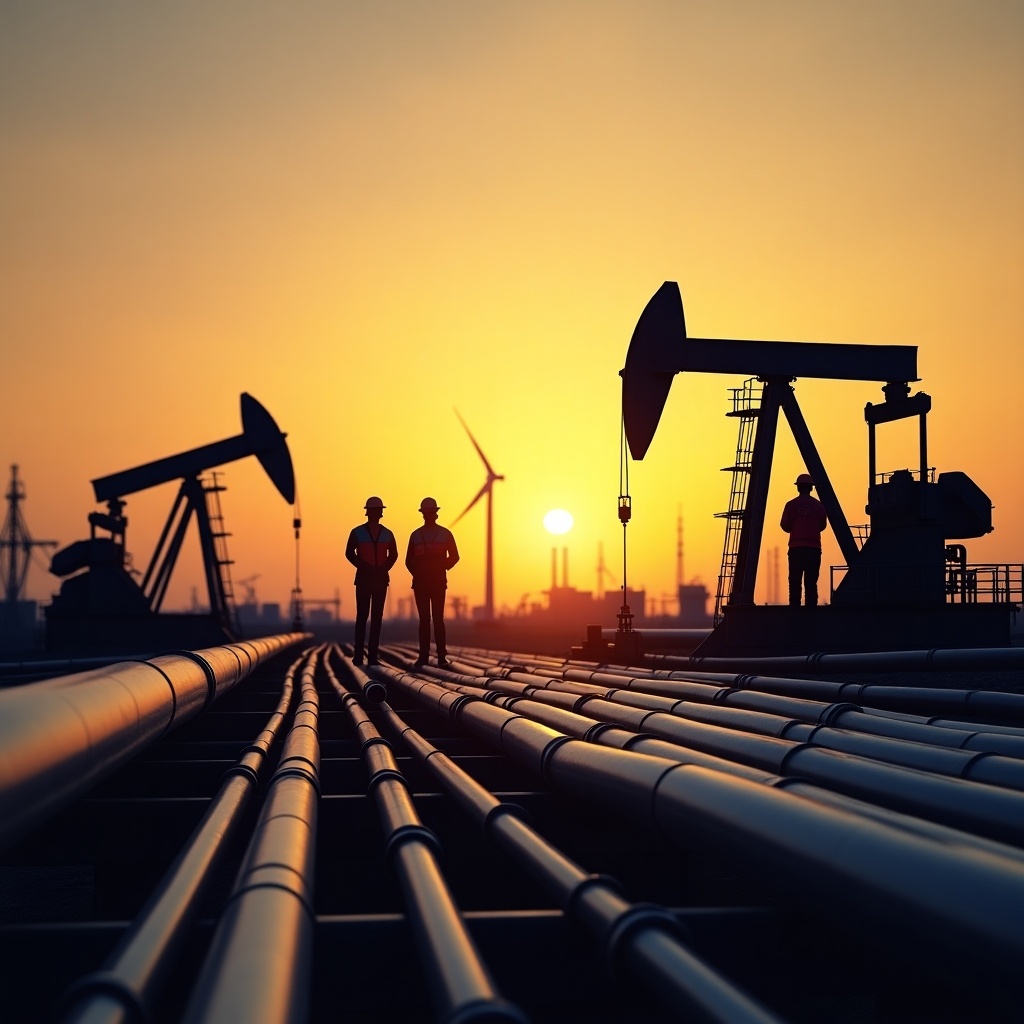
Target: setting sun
<point>558,521</point>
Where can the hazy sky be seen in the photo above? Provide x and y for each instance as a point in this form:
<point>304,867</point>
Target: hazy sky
<point>369,215</point>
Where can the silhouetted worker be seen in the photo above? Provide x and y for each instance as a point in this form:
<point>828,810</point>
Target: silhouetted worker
<point>432,552</point>
<point>372,549</point>
<point>803,519</point>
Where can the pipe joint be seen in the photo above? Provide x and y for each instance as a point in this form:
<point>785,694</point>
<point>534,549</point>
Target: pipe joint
<point>211,677</point>
<point>299,768</point>
<point>831,713</point>
<point>375,691</point>
<point>107,983</point>
<point>640,917</point>
<point>487,1011</point>
<point>503,810</point>
<point>405,834</point>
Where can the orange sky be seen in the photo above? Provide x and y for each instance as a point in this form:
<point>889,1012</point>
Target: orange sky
<point>370,215</point>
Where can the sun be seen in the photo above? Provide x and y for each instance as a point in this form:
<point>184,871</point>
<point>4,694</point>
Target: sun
<point>558,521</point>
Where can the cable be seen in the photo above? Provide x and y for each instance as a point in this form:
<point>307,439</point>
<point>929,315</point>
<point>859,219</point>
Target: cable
<point>625,616</point>
<point>297,623</point>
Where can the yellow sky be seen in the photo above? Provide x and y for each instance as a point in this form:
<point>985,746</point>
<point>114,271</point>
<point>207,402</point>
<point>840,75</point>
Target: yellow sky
<point>368,215</point>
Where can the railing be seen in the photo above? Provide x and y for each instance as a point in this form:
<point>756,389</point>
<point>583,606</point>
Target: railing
<point>976,583</point>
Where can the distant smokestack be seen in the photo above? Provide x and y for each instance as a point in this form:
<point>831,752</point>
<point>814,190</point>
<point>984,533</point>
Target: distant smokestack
<point>565,567</point>
<point>554,568</point>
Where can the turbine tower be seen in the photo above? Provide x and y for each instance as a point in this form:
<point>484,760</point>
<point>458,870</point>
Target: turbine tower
<point>486,489</point>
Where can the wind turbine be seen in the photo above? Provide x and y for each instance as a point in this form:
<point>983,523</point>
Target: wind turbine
<point>486,489</point>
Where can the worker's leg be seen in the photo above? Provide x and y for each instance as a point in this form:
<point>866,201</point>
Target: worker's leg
<point>437,598</point>
<point>423,609</point>
<point>795,572</point>
<point>362,610</point>
<point>812,568</point>
<point>378,595</point>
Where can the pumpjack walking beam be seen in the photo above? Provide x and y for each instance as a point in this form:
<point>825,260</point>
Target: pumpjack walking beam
<point>660,348</point>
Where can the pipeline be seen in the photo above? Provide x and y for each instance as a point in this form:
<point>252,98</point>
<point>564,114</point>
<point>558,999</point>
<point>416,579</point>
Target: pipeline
<point>982,659</point>
<point>946,700</point>
<point>576,725</point>
<point>643,938</point>
<point>59,737</point>
<point>129,983</point>
<point>460,983</point>
<point>978,755</point>
<point>900,775</point>
<point>258,966</point>
<point>949,904</point>
<point>769,694</point>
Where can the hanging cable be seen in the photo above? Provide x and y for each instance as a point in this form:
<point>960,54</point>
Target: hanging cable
<point>297,617</point>
<point>625,616</point>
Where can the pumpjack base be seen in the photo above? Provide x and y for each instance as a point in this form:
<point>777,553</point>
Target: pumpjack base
<point>139,634</point>
<point>753,631</point>
<point>624,648</point>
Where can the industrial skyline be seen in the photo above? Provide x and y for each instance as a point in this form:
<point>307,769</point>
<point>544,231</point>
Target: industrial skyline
<point>368,216</point>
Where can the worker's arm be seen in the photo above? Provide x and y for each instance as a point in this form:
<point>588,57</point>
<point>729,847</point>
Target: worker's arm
<point>352,550</point>
<point>453,553</point>
<point>392,553</point>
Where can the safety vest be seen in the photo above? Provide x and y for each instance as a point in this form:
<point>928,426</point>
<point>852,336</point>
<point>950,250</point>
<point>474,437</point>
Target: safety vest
<point>428,555</point>
<point>373,552</point>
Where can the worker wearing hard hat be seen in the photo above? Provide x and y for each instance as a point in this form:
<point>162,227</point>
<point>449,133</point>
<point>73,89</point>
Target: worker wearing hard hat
<point>803,519</point>
<point>432,552</point>
<point>372,549</point>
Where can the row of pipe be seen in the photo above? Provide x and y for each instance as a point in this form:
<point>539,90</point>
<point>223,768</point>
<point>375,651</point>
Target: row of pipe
<point>944,701</point>
<point>951,659</point>
<point>577,725</point>
<point>979,792</point>
<point>646,941</point>
<point>461,987</point>
<point>258,967</point>
<point>129,984</point>
<point>950,898</point>
<point>59,737</point>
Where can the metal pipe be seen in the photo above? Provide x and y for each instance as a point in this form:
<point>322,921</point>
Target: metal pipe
<point>572,723</point>
<point>459,981</point>
<point>989,659</point>
<point>952,905</point>
<point>644,938</point>
<point>60,737</point>
<point>832,726</point>
<point>130,981</point>
<point>259,962</point>
<point>892,773</point>
<point>372,689</point>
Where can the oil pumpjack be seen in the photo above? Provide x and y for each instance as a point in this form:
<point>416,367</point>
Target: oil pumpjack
<point>101,606</point>
<point>906,587</point>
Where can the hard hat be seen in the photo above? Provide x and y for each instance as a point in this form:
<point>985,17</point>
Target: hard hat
<point>429,505</point>
<point>804,478</point>
<point>374,502</point>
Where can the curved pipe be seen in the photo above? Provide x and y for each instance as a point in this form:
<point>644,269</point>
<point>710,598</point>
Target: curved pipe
<point>58,738</point>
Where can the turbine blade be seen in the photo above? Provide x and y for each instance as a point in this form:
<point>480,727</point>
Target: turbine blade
<point>479,494</point>
<point>483,458</point>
